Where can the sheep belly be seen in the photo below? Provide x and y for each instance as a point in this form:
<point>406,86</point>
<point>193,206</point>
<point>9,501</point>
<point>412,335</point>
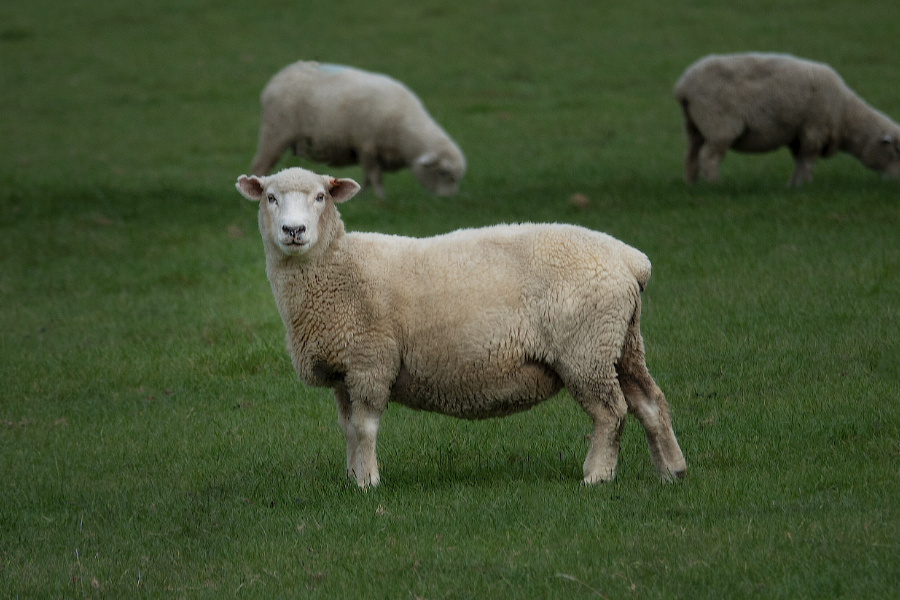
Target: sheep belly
<point>763,137</point>
<point>474,395</point>
<point>332,152</point>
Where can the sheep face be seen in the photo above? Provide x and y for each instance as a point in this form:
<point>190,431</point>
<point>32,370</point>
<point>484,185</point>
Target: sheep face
<point>888,153</point>
<point>439,173</point>
<point>292,202</point>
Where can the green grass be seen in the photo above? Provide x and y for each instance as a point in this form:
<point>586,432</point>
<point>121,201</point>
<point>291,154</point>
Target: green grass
<point>154,441</point>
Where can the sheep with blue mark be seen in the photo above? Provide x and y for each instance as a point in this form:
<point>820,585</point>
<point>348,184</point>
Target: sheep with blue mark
<point>341,116</point>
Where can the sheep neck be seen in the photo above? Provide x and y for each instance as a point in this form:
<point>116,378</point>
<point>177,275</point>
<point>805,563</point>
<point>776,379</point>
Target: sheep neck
<point>300,285</point>
<point>292,277</point>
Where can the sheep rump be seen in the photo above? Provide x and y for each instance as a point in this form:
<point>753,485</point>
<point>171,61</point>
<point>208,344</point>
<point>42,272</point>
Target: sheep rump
<point>342,116</point>
<point>476,323</point>
<point>759,102</point>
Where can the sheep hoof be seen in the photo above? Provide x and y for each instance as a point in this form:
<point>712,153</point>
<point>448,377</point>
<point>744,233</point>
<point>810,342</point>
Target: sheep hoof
<point>602,477</point>
<point>673,476</point>
<point>367,483</point>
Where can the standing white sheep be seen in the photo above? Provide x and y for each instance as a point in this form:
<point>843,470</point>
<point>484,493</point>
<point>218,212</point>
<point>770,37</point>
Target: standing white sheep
<point>476,323</point>
<point>761,102</point>
<point>344,116</point>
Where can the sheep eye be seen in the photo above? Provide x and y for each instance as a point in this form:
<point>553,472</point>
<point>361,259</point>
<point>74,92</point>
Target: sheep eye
<point>271,198</point>
<point>320,196</point>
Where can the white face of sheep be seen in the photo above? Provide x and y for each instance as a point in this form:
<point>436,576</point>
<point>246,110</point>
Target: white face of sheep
<point>439,173</point>
<point>293,200</point>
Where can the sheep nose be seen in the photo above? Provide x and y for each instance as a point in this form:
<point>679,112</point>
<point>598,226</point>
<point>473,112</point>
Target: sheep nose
<point>293,231</point>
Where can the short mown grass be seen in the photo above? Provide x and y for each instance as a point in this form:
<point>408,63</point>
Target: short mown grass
<point>154,441</point>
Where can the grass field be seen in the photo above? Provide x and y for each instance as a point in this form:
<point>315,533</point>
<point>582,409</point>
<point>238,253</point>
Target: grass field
<point>154,441</point>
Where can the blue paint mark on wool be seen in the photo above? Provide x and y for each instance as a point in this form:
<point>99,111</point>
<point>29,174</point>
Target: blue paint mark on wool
<point>329,68</point>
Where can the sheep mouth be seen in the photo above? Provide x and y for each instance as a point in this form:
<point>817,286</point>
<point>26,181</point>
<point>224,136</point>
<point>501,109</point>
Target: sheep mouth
<point>294,246</point>
<point>292,240</point>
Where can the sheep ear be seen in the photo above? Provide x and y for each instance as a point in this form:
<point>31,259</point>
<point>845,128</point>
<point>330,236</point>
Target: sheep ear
<point>342,190</point>
<point>251,187</point>
<point>892,140</point>
<point>429,158</point>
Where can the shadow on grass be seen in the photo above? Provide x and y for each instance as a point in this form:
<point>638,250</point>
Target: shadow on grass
<point>443,469</point>
<point>314,483</point>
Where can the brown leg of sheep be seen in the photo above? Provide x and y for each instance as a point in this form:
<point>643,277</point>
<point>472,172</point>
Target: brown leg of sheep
<point>646,402</point>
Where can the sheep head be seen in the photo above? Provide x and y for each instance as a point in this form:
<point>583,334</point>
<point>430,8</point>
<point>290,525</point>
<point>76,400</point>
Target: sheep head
<point>292,203</point>
<point>440,172</point>
<point>889,153</point>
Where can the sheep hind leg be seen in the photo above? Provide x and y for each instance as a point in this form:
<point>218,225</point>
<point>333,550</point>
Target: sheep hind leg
<point>691,160</point>
<point>269,148</point>
<point>648,404</point>
<point>692,153</point>
<point>603,401</point>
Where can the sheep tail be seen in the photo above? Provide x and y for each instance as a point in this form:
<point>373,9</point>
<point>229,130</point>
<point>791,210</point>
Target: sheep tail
<point>638,264</point>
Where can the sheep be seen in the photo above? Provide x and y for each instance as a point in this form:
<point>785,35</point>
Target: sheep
<point>345,116</point>
<point>759,102</point>
<point>476,323</point>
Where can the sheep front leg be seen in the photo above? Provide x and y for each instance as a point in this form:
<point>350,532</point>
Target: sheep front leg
<point>360,426</point>
<point>367,396</point>
<point>804,160</point>
<point>342,399</point>
<point>364,423</point>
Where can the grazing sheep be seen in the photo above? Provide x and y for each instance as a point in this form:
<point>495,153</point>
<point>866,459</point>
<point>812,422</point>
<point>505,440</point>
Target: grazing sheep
<point>476,323</point>
<point>760,102</point>
<point>344,116</point>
